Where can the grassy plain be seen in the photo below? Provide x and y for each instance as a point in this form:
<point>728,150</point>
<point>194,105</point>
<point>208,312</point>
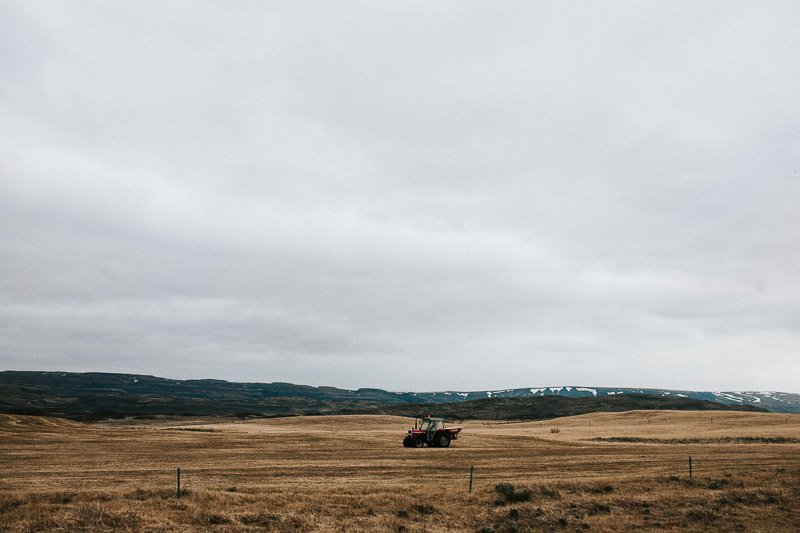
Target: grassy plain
<point>599,472</point>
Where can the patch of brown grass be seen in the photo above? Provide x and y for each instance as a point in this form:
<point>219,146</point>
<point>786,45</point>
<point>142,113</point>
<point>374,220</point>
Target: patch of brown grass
<point>352,474</point>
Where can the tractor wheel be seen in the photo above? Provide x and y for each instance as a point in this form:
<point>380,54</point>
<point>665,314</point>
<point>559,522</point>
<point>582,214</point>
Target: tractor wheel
<point>419,443</point>
<point>443,440</point>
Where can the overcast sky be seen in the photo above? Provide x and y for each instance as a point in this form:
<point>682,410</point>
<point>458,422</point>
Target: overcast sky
<point>404,195</point>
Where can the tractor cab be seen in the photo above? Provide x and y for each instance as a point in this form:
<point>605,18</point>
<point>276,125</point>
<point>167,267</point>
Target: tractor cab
<point>431,424</point>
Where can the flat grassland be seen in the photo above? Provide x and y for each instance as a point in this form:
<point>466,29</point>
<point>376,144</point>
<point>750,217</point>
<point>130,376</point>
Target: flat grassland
<point>598,472</point>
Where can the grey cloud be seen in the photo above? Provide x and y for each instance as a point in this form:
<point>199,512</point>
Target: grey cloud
<point>403,196</point>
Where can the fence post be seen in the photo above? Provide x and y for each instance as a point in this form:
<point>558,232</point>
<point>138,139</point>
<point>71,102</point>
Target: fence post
<point>179,483</point>
<point>690,467</point>
<point>471,468</point>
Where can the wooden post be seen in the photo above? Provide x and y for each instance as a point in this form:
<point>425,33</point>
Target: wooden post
<point>690,467</point>
<point>179,483</point>
<point>471,468</point>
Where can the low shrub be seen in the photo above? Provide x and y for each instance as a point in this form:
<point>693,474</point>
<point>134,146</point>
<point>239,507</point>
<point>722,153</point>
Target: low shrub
<point>512,494</point>
<point>424,508</point>
<point>505,488</point>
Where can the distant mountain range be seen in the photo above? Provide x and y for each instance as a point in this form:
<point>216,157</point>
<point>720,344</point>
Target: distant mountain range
<point>91,396</point>
<point>552,406</point>
<point>778,402</point>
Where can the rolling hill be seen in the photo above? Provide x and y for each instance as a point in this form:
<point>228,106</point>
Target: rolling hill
<point>547,407</point>
<point>92,396</point>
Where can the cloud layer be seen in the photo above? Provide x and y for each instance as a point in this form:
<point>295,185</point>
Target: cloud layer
<point>414,196</point>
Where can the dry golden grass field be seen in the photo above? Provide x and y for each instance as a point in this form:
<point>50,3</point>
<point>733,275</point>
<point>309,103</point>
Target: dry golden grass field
<point>599,472</point>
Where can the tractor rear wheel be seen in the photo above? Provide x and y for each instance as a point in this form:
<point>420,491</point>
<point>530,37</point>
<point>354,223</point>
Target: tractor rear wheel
<point>419,443</point>
<point>443,440</point>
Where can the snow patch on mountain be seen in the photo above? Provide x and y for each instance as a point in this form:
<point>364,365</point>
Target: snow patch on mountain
<point>728,396</point>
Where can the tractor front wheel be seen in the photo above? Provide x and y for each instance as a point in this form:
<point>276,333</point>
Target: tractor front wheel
<point>419,443</point>
<point>443,440</point>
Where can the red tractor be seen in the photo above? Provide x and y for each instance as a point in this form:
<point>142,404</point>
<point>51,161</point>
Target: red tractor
<point>432,432</point>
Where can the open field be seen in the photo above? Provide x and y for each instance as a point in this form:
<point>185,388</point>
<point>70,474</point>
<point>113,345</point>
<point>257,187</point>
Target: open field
<point>599,472</point>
